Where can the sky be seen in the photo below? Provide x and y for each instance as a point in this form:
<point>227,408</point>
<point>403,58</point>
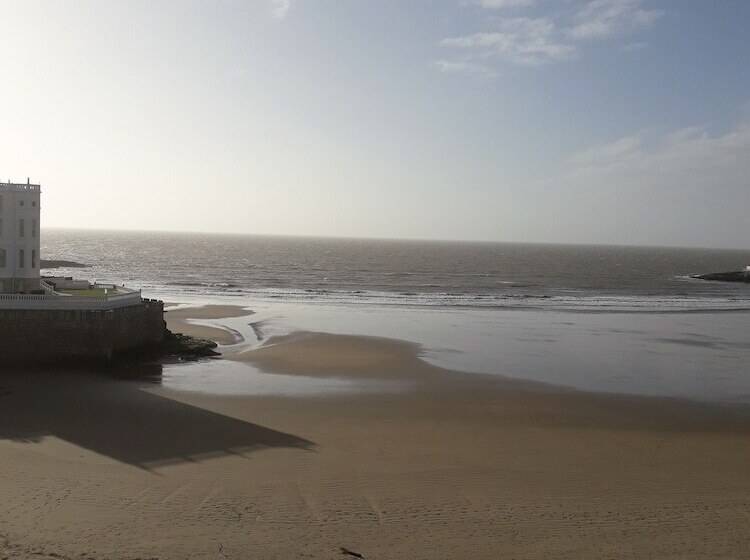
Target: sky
<point>575,121</point>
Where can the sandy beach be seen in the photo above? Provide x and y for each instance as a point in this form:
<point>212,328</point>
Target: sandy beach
<point>458,466</point>
<point>186,320</point>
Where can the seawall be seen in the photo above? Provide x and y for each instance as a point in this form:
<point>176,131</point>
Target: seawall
<point>40,336</point>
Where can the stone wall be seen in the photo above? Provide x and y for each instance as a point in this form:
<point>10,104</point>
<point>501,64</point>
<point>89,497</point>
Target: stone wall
<point>46,336</point>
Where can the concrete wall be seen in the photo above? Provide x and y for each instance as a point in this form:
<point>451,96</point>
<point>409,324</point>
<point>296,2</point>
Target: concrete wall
<point>67,283</point>
<point>44,336</point>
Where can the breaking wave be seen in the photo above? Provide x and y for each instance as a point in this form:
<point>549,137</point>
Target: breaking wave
<point>563,302</point>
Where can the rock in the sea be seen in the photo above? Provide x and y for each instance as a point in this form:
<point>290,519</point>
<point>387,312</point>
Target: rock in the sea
<point>187,347</point>
<point>738,276</point>
<point>61,264</point>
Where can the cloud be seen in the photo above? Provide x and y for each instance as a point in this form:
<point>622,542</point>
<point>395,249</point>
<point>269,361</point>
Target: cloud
<point>465,67</point>
<point>280,8</point>
<point>526,41</point>
<point>599,19</point>
<point>683,156</point>
<point>685,187</point>
<point>600,156</point>
<point>534,41</point>
<point>499,4</point>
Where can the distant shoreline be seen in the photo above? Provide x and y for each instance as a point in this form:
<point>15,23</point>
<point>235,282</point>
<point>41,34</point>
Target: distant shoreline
<point>735,276</point>
<point>53,263</point>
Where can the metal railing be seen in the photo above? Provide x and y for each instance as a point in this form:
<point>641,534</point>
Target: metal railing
<point>72,303</point>
<point>48,288</point>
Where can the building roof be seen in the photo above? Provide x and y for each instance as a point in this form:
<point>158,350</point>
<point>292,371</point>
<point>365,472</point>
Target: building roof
<point>19,187</point>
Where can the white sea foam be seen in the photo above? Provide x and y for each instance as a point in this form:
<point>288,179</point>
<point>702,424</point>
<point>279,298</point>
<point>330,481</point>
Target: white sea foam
<point>571,302</point>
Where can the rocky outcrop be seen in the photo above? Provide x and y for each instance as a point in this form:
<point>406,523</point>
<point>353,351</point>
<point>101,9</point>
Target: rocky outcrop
<point>61,264</point>
<point>738,276</point>
<point>174,347</point>
<point>187,347</point>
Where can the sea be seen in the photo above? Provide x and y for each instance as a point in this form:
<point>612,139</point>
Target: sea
<point>405,273</point>
<point>591,317</point>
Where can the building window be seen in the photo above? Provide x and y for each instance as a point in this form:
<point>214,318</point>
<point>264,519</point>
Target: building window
<point>33,258</point>
<point>21,228</point>
<point>21,258</point>
<point>21,203</point>
<point>1,227</point>
<point>2,258</point>
<point>1,203</point>
<point>33,203</point>
<point>33,228</point>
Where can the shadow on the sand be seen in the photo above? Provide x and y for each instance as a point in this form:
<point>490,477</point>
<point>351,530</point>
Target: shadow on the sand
<point>115,417</point>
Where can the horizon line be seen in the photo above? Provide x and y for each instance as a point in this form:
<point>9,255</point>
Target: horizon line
<point>393,239</point>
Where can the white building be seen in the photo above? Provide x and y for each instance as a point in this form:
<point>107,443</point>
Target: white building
<point>19,237</point>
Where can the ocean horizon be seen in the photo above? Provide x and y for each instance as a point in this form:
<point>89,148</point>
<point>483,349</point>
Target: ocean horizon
<point>404,272</point>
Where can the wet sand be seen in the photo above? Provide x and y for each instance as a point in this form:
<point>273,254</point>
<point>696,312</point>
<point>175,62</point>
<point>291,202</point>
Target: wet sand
<point>460,467</point>
<point>179,320</point>
<point>329,355</point>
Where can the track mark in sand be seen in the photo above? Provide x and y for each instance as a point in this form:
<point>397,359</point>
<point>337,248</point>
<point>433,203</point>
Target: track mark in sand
<point>375,508</point>
<point>10,550</point>
<point>136,499</point>
<point>310,504</point>
<point>209,497</point>
<point>174,493</point>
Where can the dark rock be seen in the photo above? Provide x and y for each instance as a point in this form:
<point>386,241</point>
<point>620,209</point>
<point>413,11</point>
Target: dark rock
<point>738,276</point>
<point>187,347</point>
<point>61,264</point>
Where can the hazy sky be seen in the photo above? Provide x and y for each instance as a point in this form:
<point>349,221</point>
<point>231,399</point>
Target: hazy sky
<point>603,121</point>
